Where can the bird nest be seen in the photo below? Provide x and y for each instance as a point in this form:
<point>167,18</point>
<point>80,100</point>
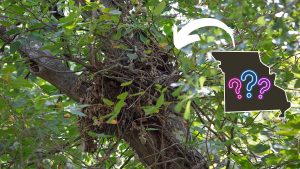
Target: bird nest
<point>140,76</point>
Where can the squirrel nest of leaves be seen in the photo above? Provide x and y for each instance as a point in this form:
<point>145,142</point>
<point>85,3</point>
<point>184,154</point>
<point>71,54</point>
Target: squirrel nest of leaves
<point>140,74</point>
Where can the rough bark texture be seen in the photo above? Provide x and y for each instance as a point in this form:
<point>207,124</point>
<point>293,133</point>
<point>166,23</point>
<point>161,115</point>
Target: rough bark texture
<point>162,148</point>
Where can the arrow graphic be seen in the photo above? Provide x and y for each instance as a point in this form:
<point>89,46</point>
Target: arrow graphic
<point>183,37</point>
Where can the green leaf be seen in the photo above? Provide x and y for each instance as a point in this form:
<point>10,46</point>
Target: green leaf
<point>259,148</point>
<point>132,56</point>
<point>143,39</point>
<point>138,94</point>
<point>149,110</point>
<point>115,12</point>
<point>177,91</point>
<point>13,31</point>
<point>178,107</point>
<point>117,35</point>
<point>69,22</point>
<point>70,26</point>
<point>15,46</point>
<point>270,159</point>
<point>159,8</point>
<point>118,107</point>
<point>202,79</point>
<point>288,76</point>
<point>126,83</point>
<point>8,69</point>
<point>261,21</point>
<point>81,106</point>
<point>77,112</point>
<point>68,19</point>
<point>134,2</point>
<point>99,135</point>
<point>16,9</point>
<point>160,101</point>
<point>123,96</point>
<point>288,132</point>
<point>75,109</point>
<point>2,104</point>
<point>297,84</point>
<point>187,112</point>
<point>21,82</point>
<point>151,129</point>
<point>107,102</point>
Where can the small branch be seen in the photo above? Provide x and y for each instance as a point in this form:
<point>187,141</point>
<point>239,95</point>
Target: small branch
<point>48,67</point>
<point>197,110</point>
<point>229,147</point>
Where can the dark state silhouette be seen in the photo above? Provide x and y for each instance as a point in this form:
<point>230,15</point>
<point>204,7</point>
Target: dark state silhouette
<point>233,64</point>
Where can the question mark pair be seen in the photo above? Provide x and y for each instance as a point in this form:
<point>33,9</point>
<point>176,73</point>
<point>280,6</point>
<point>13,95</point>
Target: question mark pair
<point>249,74</point>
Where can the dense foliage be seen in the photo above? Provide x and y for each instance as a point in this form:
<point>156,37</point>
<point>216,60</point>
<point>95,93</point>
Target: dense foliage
<point>38,122</point>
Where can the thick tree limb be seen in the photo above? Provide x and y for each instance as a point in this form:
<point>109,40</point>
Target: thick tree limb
<point>45,66</point>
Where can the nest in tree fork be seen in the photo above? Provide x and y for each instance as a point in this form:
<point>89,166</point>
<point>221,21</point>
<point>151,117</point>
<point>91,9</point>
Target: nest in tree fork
<point>104,82</point>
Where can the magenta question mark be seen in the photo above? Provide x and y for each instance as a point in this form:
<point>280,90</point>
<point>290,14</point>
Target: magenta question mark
<point>238,86</point>
<point>265,88</point>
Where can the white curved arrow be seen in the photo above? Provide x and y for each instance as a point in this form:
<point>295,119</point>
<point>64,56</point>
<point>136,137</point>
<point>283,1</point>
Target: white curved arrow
<point>183,37</point>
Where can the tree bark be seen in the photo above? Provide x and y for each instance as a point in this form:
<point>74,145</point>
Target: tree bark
<point>161,149</point>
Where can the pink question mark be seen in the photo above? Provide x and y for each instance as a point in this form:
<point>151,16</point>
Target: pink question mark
<point>265,88</point>
<point>237,88</point>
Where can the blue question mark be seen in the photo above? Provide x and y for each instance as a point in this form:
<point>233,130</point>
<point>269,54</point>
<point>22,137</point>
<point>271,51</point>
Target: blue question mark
<point>251,83</point>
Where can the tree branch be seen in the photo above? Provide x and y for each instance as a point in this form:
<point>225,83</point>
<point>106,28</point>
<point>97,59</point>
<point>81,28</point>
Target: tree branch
<point>43,65</point>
